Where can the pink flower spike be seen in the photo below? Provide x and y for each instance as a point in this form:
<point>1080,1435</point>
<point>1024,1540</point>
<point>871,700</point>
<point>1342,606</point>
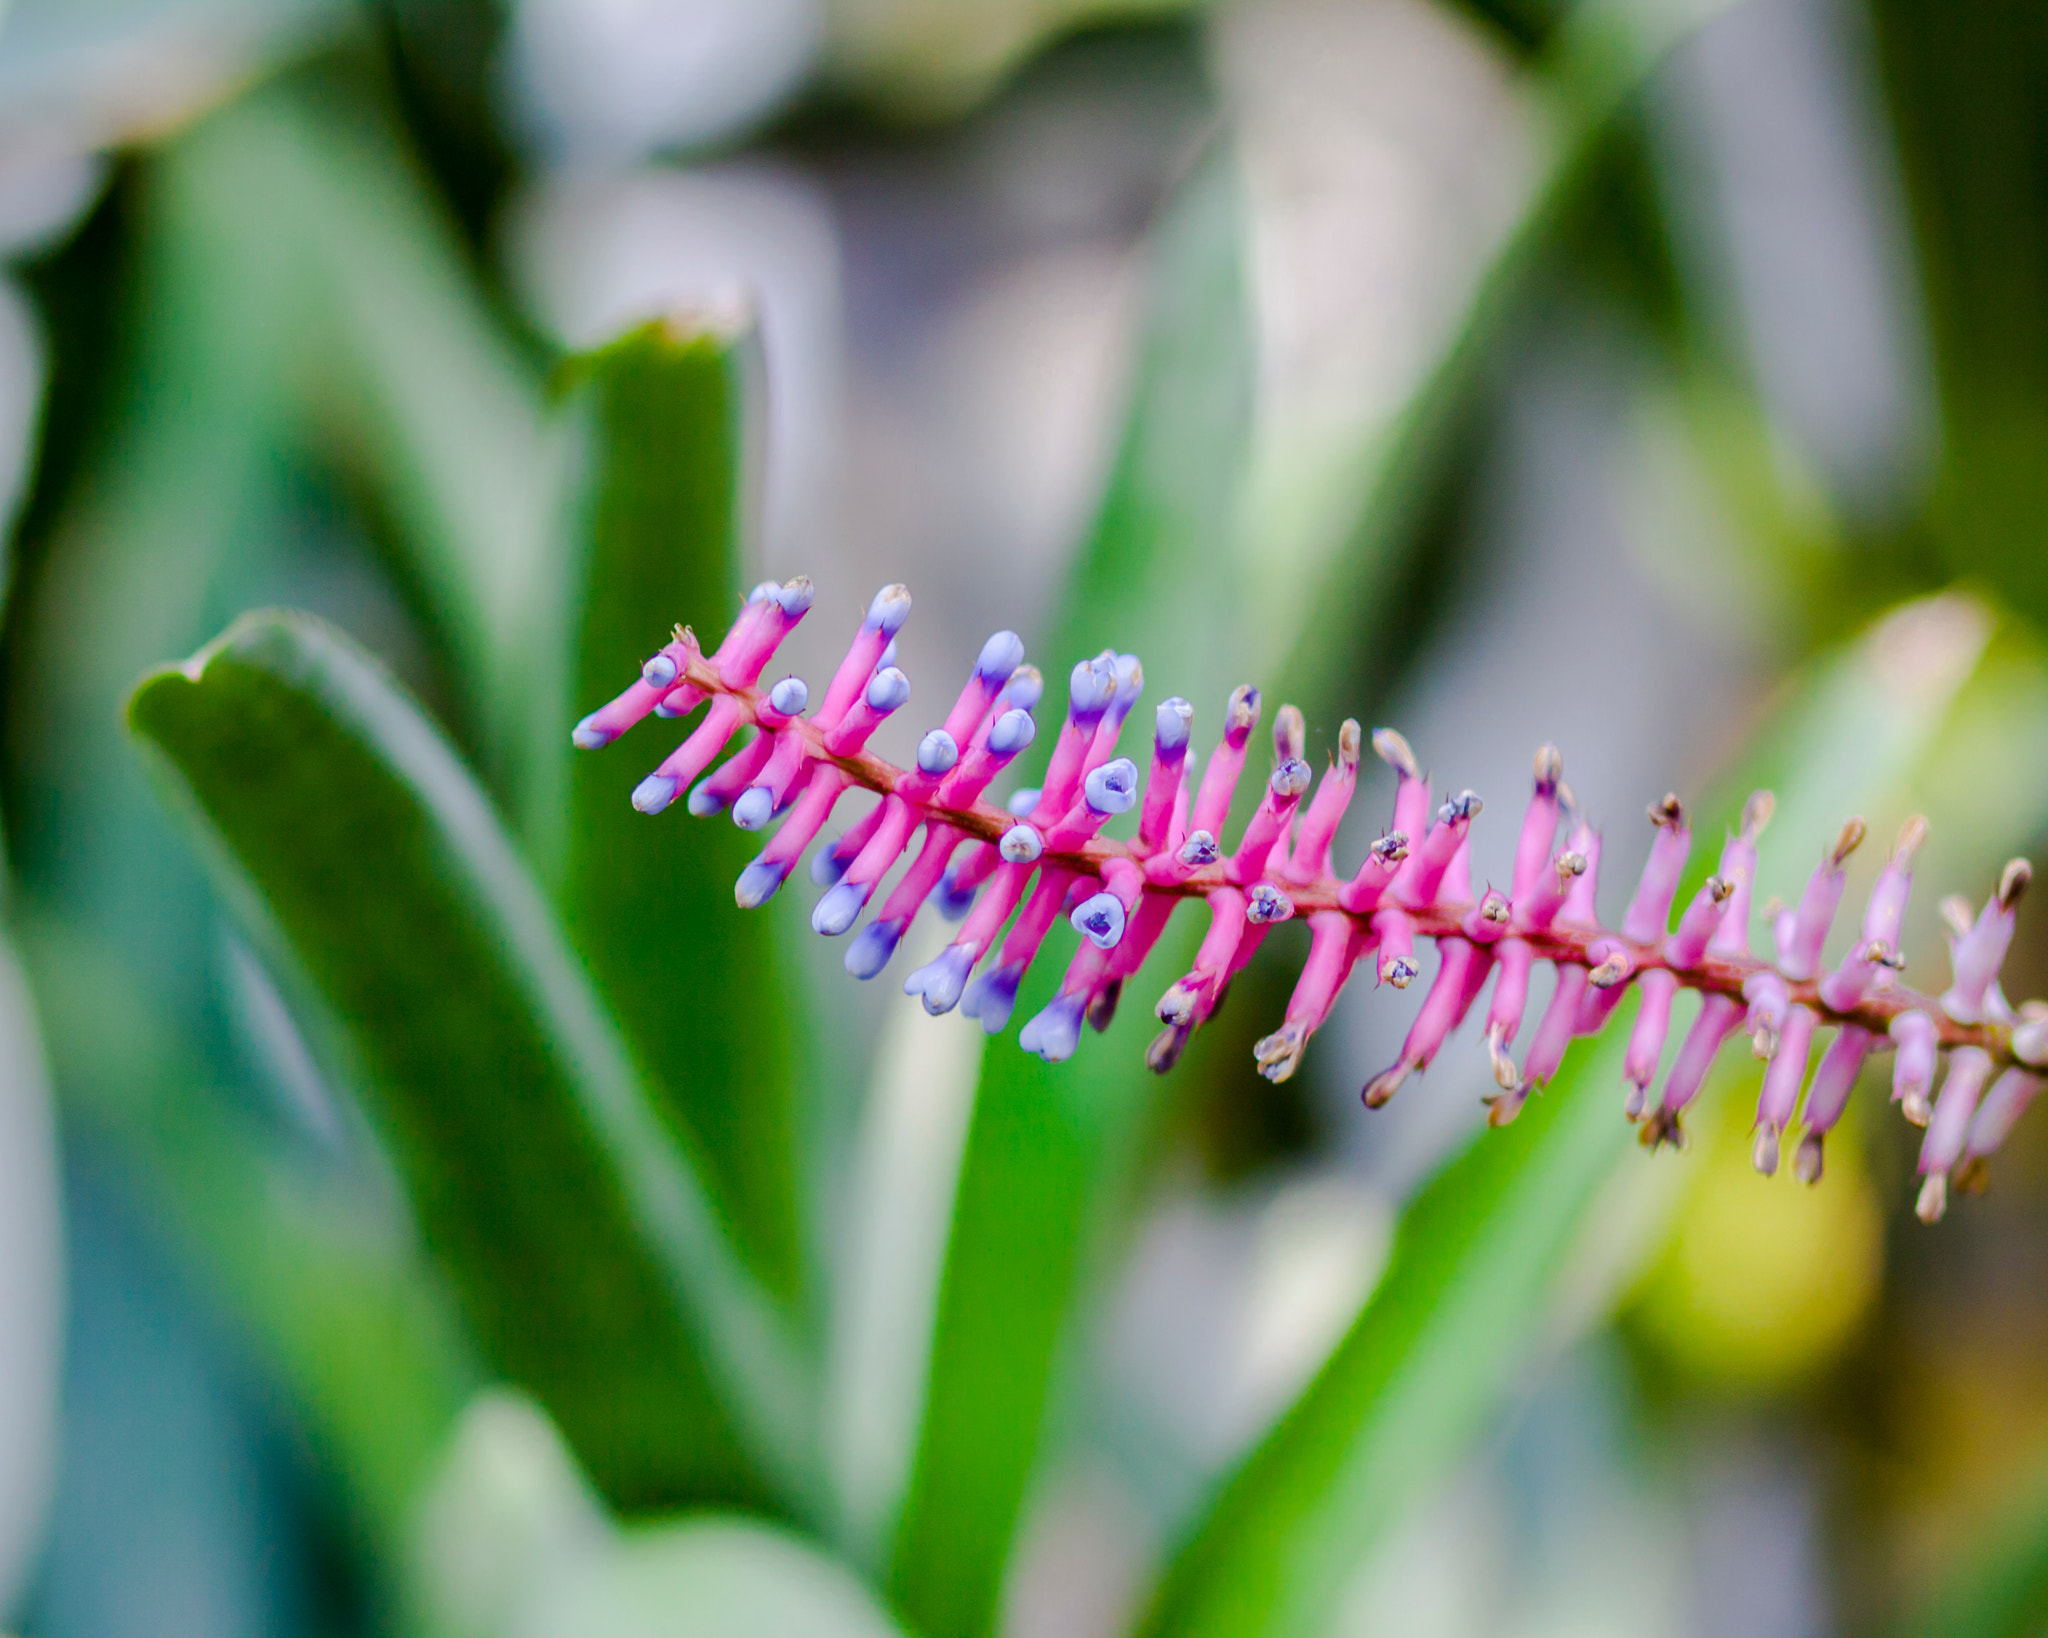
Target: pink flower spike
<point>1269,821</point>
<point>1828,1096</point>
<point>884,694</point>
<point>1817,905</point>
<point>754,642</point>
<point>885,617</point>
<point>1539,824</point>
<point>1311,858</point>
<point>714,793</point>
<point>759,882</point>
<point>1411,791</point>
<point>1559,1024</point>
<point>687,761</point>
<point>1440,1007</point>
<point>1173,723</point>
<point>1000,656</point>
<point>1394,931</point>
<point>843,902</point>
<point>1702,919</point>
<point>1719,1018</point>
<point>1422,877</point>
<point>1979,953</point>
<point>1968,1069</point>
<point>1738,865</point>
<point>1219,781</point>
<point>1580,908</point>
<point>1382,863</point>
<point>1769,1002</point>
<point>1649,912</point>
<point>1511,991</point>
<point>656,682</point>
<point>1536,909</point>
<point>1606,984</point>
<point>1091,687</point>
<point>1646,1039</point>
<point>1130,683</point>
<point>1779,1100</point>
<point>1487,921</point>
<point>1918,1039</point>
<point>2002,1107</point>
<point>876,943</point>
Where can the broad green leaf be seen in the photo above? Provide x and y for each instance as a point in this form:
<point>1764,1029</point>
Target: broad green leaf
<point>511,1540</point>
<point>337,1301</point>
<point>588,1257</point>
<point>661,417</point>
<point>1049,1144</point>
<point>1478,1257</point>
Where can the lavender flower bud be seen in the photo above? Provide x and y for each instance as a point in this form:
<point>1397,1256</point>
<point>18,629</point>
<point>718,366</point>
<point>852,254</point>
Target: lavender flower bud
<point>1000,656</point>
<point>1021,844</point>
<point>790,696</point>
<point>1013,731</point>
<point>1100,920</point>
<point>889,610</point>
<point>888,690</point>
<point>937,752</point>
<point>658,672</point>
<point>940,982</point>
<point>1113,788</point>
<point>1173,722</point>
<point>654,793</point>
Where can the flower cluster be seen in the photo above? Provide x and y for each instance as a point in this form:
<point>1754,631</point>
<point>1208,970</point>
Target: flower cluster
<point>1045,857</point>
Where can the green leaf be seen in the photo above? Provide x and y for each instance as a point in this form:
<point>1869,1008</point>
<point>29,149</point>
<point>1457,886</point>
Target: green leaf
<point>1049,1145</point>
<point>378,1361</point>
<point>1478,1257</point>
<point>588,1257</point>
<point>661,416</point>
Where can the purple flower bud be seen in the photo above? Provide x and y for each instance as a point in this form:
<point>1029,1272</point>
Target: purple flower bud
<point>839,909</point>
<point>1022,802</point>
<point>790,696</point>
<point>1113,788</point>
<point>755,807</point>
<point>1025,688</point>
<point>1000,656</point>
<point>654,793</point>
<point>1173,722</point>
<point>1012,732</point>
<point>937,752</point>
<point>1021,844</point>
<point>872,947</point>
<point>940,982</point>
<point>758,884</point>
<point>1056,1031</point>
<point>1100,920</point>
<point>658,672</point>
<point>993,995</point>
<point>889,610</point>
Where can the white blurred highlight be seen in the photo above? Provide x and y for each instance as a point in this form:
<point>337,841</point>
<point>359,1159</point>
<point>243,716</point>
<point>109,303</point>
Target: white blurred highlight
<point>593,255</point>
<point>612,81</point>
<point>21,406</point>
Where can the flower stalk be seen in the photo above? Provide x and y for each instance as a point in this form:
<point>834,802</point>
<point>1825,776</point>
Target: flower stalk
<point>1044,857</point>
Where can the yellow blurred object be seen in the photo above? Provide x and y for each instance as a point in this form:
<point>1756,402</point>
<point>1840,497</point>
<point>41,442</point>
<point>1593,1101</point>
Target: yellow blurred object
<point>1762,1281</point>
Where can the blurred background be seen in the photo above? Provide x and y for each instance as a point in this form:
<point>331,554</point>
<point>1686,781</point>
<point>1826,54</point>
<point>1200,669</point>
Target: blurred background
<point>1601,372</point>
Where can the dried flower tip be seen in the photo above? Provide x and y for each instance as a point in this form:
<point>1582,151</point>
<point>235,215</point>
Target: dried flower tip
<point>2012,883</point>
<point>1385,1084</point>
<point>1549,769</point>
<point>1756,813</point>
<point>1668,812</point>
<point>1505,1074</point>
<point>2030,1039</point>
<point>1198,850</point>
<point>1662,1127</point>
<point>1912,834</point>
<point>1503,1107</point>
<point>1166,1048</point>
<point>1113,788</point>
<point>1290,734</point>
<point>1495,908</point>
<point>1021,845</point>
<point>790,696</point>
<point>1291,778</point>
<point>1392,748</point>
<point>889,610</point>
<point>1719,888</point>
<point>1973,1176</point>
<point>1847,841</point>
<point>1391,848</point>
<point>1350,738</point>
<point>1465,805</point>
<point>937,752</point>
<point>1956,911</point>
<point>1811,1158</point>
<point>1266,904</point>
<point>1763,1043</point>
<point>1398,970</point>
<point>1100,920</point>
<point>1570,866</point>
<point>1177,1005</point>
<point>1632,1102</point>
<point>1764,1157</point>
<point>1241,716</point>
<point>1279,1054</point>
<point>1933,1201</point>
<point>1917,1107</point>
<point>1172,723</point>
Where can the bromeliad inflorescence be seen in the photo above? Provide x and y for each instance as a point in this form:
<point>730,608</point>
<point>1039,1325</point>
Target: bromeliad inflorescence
<point>1047,856</point>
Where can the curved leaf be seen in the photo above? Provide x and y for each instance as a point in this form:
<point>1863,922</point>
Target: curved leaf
<point>587,1255</point>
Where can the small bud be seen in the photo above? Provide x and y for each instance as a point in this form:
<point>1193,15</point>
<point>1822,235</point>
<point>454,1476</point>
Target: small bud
<point>1756,814</point>
<point>654,793</point>
<point>1172,724</point>
<point>1100,920</point>
<point>705,799</point>
<point>1549,769</point>
<point>1933,1201</point>
<point>1279,1054</point>
<point>658,672</point>
<point>1398,971</point>
<point>936,752</point>
<point>1465,805</point>
<point>1391,848</point>
<point>1199,849</point>
<point>1349,738</point>
<point>1847,841</point>
<point>796,596</point>
<point>1022,802</point>
<point>1911,835</point>
<point>1614,970</point>
<point>1667,812</point>
<point>589,737</point>
<point>1242,714</point>
<point>755,807</point>
<point>1021,844</point>
<point>757,885</point>
<point>1955,910</point>
<point>1166,1048</point>
<point>790,696</point>
<point>1090,688</point>
<point>1570,866</point>
<point>1000,656</point>
<point>1013,731</point>
<point>1025,688</point>
<point>1765,1155</point>
<point>890,609</point>
<point>888,690</point>
<point>1291,778</point>
<point>763,590</point>
<point>1496,908</point>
